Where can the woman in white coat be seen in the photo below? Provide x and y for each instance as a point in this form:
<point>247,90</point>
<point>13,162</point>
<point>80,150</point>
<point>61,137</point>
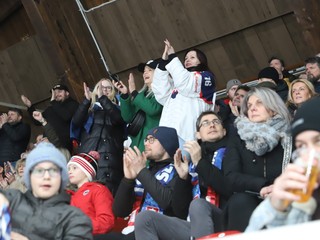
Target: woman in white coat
<point>184,89</point>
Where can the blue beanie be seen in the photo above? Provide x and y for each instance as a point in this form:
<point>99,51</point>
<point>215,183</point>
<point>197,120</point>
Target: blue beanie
<point>168,138</point>
<point>46,152</point>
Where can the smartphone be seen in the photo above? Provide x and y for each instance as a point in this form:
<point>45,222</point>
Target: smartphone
<point>254,194</point>
<point>114,77</point>
<point>7,168</point>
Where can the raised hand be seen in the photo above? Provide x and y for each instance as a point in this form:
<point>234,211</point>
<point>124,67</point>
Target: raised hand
<point>182,167</point>
<point>87,92</point>
<point>120,86</point>
<point>4,118</point>
<point>10,177</point>
<point>99,89</point>
<point>165,51</point>
<point>194,149</point>
<point>138,159</point>
<point>170,48</point>
<point>53,95</point>
<point>131,83</point>
<point>38,116</point>
<point>26,101</point>
<point>234,109</point>
<point>127,170</point>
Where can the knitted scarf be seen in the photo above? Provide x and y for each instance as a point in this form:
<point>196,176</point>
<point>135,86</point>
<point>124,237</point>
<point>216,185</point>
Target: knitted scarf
<point>261,138</point>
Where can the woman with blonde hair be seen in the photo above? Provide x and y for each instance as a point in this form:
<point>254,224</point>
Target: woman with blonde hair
<point>141,101</point>
<point>18,182</point>
<point>108,87</point>
<point>300,90</point>
<point>101,127</point>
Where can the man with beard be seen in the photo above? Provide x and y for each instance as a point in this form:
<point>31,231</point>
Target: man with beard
<point>201,191</point>
<point>278,64</point>
<point>313,71</point>
<point>14,136</point>
<point>58,114</point>
<point>147,188</point>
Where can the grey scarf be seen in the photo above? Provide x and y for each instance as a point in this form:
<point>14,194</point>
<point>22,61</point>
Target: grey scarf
<point>262,137</point>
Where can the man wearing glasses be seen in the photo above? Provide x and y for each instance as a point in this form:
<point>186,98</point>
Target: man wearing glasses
<point>147,188</point>
<point>200,182</point>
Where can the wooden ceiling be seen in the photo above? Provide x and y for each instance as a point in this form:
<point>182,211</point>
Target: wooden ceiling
<point>43,42</point>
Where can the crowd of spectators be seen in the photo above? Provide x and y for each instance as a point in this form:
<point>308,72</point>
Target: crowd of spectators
<point>169,160</point>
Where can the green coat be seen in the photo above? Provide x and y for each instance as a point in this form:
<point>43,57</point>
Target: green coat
<point>150,106</point>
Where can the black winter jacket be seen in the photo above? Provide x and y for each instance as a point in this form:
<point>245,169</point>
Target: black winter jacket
<point>125,197</point>
<point>14,140</point>
<point>106,136</point>
<point>248,172</point>
<point>59,115</point>
<point>209,175</point>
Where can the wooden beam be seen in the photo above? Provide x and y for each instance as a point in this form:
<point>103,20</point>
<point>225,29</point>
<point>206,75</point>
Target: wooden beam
<point>8,7</point>
<point>44,37</point>
<point>307,15</point>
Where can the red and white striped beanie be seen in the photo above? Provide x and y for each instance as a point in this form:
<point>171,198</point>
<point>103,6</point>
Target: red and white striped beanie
<point>87,162</point>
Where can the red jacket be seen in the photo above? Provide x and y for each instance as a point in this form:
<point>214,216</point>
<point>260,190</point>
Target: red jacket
<point>95,200</point>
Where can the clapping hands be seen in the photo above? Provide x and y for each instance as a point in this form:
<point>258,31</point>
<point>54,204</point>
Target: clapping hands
<point>133,162</point>
<point>168,49</point>
<point>182,167</point>
<point>87,92</point>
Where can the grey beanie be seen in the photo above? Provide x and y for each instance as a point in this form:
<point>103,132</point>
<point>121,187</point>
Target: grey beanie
<point>46,152</point>
<point>231,83</point>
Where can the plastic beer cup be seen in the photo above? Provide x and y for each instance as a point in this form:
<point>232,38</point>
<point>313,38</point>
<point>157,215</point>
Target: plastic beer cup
<point>309,159</point>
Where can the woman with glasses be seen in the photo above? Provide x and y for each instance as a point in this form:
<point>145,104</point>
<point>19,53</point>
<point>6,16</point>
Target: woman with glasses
<point>98,126</point>
<point>185,89</point>
<point>133,101</point>
<point>43,212</point>
<point>256,155</point>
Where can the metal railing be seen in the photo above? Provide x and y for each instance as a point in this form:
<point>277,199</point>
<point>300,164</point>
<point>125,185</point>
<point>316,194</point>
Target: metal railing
<point>296,72</point>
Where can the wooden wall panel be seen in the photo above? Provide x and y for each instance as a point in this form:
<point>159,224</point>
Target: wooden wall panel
<point>27,71</point>
<point>8,76</point>
<point>138,30</point>
<point>303,48</point>
<point>238,37</point>
<point>244,53</point>
<point>15,28</point>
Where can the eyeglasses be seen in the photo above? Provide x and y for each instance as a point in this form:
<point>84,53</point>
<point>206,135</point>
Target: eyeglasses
<point>207,123</point>
<point>149,139</point>
<point>40,172</point>
<point>106,87</point>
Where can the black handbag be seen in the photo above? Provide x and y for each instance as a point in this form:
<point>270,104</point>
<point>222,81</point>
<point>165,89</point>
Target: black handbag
<point>136,123</point>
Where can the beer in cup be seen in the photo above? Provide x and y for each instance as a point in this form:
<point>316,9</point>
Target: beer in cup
<point>309,159</point>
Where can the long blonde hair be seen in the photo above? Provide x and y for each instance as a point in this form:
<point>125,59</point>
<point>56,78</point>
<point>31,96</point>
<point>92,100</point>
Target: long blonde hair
<point>112,95</point>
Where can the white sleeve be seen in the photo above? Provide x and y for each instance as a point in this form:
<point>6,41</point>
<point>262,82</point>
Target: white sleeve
<point>162,85</point>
